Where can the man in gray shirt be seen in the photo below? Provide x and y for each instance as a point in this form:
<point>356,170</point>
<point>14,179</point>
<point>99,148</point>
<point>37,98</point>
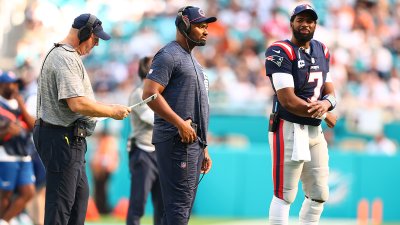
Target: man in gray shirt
<point>181,114</point>
<point>142,156</point>
<point>65,111</point>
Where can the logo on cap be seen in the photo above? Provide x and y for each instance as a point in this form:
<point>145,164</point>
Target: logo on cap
<point>201,12</point>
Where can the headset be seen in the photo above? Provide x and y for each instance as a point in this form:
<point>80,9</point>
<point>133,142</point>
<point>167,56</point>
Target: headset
<point>86,31</point>
<point>184,26</point>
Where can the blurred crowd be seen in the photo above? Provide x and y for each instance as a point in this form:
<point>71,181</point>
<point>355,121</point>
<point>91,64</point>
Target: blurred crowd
<point>363,37</point>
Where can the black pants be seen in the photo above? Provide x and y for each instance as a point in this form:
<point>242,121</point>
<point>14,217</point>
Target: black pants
<point>67,189</point>
<point>144,179</point>
<point>179,166</point>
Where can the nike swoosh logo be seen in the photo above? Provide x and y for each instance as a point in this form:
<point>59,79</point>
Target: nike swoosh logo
<point>277,51</point>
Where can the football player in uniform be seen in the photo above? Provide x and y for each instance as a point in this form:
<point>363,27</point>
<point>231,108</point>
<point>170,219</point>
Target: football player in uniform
<point>304,94</point>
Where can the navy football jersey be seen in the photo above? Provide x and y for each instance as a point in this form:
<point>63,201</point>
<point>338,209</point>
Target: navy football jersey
<point>309,71</point>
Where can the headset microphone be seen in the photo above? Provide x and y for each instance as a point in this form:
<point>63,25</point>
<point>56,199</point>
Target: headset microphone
<point>198,43</point>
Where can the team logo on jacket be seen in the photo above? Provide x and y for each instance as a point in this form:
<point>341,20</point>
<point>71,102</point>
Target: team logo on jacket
<point>275,59</point>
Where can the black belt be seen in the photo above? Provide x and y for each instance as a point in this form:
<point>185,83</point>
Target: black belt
<point>42,123</point>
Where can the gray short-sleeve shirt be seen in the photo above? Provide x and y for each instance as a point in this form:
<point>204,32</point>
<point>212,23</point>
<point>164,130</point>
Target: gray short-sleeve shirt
<point>63,76</point>
<point>142,121</point>
<point>186,90</point>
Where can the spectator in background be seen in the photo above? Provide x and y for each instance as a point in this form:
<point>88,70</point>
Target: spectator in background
<point>28,87</point>
<point>142,157</point>
<point>15,161</point>
<point>277,27</point>
<point>381,145</point>
<point>104,162</point>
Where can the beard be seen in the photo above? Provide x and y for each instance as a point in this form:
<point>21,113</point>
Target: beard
<point>302,37</point>
<point>200,43</point>
<point>197,43</point>
<point>7,93</point>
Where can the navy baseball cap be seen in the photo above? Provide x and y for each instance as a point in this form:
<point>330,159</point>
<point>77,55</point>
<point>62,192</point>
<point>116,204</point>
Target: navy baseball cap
<point>8,77</point>
<point>196,15</point>
<point>81,21</point>
<point>303,8</point>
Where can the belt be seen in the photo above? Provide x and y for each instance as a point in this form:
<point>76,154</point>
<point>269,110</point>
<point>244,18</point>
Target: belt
<point>42,123</point>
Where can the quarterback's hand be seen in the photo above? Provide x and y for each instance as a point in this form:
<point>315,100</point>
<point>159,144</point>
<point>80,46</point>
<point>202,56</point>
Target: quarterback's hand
<point>120,111</point>
<point>207,162</point>
<point>330,120</point>
<point>317,108</point>
<point>188,135</point>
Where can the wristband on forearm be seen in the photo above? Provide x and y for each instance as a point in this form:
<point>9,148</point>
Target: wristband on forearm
<point>322,117</point>
<point>331,100</point>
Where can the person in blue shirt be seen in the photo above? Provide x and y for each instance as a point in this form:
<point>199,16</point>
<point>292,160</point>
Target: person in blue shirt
<point>304,94</point>
<point>181,114</point>
<point>16,166</point>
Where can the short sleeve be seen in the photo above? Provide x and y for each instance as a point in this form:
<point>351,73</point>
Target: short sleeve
<point>161,68</point>
<point>276,61</point>
<point>69,78</point>
<point>144,112</point>
<point>327,55</point>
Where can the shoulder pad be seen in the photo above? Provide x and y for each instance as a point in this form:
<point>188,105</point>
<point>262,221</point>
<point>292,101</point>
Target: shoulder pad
<point>326,50</point>
<point>287,48</point>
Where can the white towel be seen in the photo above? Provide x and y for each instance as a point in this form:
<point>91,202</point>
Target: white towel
<point>301,149</point>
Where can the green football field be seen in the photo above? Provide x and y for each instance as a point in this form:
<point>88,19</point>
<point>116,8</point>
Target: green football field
<point>108,220</point>
<point>149,221</point>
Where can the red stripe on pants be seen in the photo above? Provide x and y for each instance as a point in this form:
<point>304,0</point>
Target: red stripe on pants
<point>279,158</point>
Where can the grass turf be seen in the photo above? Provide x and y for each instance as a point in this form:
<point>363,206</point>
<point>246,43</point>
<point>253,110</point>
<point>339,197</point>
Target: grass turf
<point>194,220</point>
<point>110,220</point>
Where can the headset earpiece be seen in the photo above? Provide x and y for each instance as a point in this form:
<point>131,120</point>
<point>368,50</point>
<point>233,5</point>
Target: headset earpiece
<point>183,23</point>
<point>86,31</point>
